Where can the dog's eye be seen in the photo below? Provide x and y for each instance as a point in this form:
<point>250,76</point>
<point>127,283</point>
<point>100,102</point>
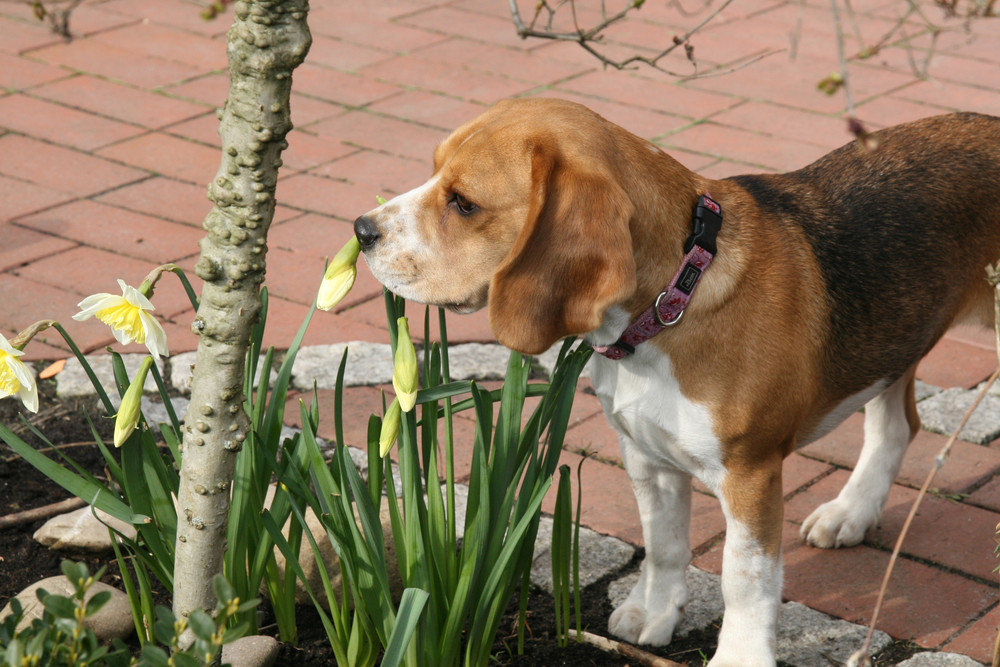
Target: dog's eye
<point>464,206</point>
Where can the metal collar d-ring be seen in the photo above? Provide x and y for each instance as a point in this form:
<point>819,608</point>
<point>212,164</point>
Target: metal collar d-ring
<point>659,318</point>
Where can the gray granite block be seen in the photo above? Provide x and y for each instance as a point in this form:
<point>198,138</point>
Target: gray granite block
<point>942,413</point>
<point>599,555</point>
<point>73,380</point>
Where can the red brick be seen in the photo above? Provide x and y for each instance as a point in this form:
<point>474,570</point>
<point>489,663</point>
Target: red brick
<point>433,109</point>
<point>383,174</point>
<point>435,76</point>
<point>944,532</point>
<point>138,69</point>
<point>649,93</point>
<point>170,156</point>
<point>967,465</point>
<point>20,73</point>
<point>342,55</point>
<point>452,21</point>
<point>60,124</point>
<point>822,130</point>
<point>924,604</point>
<point>211,89</point>
<point>20,198</point>
<point>974,335</point>
<point>83,271</point>
<point>519,64</point>
<point>308,110</point>
<point>119,231</point>
<point>890,110</point>
<point>151,110</point>
<point>307,150</point>
<point>326,196</point>
<point>203,129</point>
<point>21,245</point>
<point>596,436</point>
<point>176,13</point>
<point>947,96</point>
<point>381,133</point>
<point>27,301</point>
<point>357,25</point>
<point>953,363</point>
<point>163,198</point>
<point>170,44</point>
<point>769,152</point>
<point>61,168</point>
<point>646,123</point>
<point>20,35</point>
<point>988,495</point>
<point>977,640</point>
<point>340,87</point>
<point>285,318</point>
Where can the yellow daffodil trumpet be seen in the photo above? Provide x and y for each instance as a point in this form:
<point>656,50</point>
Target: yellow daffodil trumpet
<point>127,419</point>
<point>128,316</point>
<point>390,428</point>
<point>15,378</point>
<point>404,371</point>
<point>340,274</point>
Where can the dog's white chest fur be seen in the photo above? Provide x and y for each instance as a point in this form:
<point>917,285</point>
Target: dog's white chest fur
<point>643,401</point>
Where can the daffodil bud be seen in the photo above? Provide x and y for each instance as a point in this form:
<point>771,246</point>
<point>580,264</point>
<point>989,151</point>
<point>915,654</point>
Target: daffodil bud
<point>404,371</point>
<point>129,412</point>
<point>390,428</point>
<point>339,277</point>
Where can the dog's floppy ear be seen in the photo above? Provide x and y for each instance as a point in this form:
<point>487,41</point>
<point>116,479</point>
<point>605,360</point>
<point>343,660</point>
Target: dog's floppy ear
<point>572,260</point>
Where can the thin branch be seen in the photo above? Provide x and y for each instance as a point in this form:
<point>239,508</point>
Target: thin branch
<point>626,650</point>
<point>43,512</point>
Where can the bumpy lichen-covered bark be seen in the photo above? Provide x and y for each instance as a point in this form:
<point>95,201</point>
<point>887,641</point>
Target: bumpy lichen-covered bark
<point>266,42</point>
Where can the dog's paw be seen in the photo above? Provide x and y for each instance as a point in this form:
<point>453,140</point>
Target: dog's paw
<point>836,524</point>
<point>636,625</point>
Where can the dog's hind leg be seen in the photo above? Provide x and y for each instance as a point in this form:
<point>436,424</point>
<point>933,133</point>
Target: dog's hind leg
<point>891,421</point>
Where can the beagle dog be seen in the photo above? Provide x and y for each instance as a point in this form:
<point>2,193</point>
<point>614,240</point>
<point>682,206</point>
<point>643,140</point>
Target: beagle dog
<point>737,319</point>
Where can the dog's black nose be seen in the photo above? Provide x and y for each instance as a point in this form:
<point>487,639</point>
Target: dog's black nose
<point>366,232</point>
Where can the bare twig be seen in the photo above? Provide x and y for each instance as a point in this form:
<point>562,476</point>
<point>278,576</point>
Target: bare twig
<point>43,512</point>
<point>625,650</point>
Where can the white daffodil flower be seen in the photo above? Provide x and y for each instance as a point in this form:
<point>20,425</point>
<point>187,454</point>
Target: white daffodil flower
<point>15,378</point>
<point>340,274</point>
<point>128,316</point>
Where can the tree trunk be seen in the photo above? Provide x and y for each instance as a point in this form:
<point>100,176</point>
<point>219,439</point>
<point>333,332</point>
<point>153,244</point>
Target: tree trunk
<point>266,42</point>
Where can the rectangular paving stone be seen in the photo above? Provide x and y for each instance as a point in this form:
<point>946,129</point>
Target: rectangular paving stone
<point>148,109</point>
<point>22,245</point>
<point>164,198</point>
<point>20,197</point>
<point>955,363</point>
<point>167,155</point>
<point>61,125</point>
<point>118,230</point>
<point>61,168</point>
<point>381,133</point>
<point>20,73</point>
<point>137,69</point>
<point>977,640</point>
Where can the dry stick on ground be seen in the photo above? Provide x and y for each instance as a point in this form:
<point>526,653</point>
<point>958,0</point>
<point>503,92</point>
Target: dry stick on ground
<point>43,512</point>
<point>625,650</point>
<point>860,657</point>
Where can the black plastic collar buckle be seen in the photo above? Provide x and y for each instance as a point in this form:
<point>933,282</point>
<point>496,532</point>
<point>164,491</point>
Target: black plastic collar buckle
<point>707,223</point>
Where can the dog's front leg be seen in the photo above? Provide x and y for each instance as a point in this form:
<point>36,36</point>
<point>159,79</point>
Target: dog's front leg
<point>751,564</point>
<point>655,605</point>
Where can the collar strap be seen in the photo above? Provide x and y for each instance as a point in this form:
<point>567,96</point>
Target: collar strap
<point>666,311</point>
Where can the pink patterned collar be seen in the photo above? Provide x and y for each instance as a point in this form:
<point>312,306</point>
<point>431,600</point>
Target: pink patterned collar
<point>669,306</point>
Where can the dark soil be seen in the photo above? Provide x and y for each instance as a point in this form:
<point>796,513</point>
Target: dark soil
<point>23,561</point>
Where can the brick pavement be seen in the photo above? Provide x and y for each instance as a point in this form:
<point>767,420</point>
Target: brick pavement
<point>107,142</point>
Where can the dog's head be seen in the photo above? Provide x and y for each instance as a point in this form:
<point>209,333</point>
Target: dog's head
<point>523,212</point>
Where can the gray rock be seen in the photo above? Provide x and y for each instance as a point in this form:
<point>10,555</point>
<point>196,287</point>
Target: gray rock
<point>547,361</point>
<point>704,605</point>
<point>155,411</point>
<point>113,621</point>
<point>73,379</point>
<point>367,364</point>
<point>599,555</point>
<point>477,361</point>
<point>942,413</point>
<point>931,659</point>
<point>808,638</point>
<point>254,651</point>
<point>82,531</point>
<point>923,390</point>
